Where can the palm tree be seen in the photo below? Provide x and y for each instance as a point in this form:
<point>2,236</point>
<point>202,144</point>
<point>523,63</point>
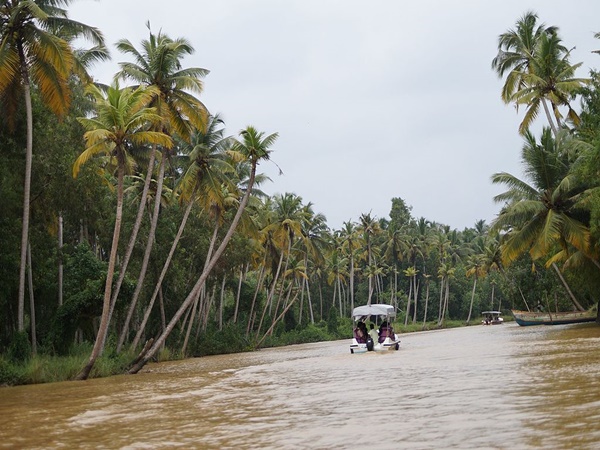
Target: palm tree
<point>35,48</point>
<point>255,146</point>
<point>445,273</point>
<point>350,240</point>
<point>476,268</point>
<point>159,65</point>
<point>544,214</point>
<point>516,49</point>
<point>394,250</point>
<point>538,70</point>
<point>315,239</point>
<point>369,227</point>
<point>122,120</point>
<point>551,79</point>
<point>201,184</point>
<point>284,226</point>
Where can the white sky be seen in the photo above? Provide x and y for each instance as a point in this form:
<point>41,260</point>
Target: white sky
<point>372,99</point>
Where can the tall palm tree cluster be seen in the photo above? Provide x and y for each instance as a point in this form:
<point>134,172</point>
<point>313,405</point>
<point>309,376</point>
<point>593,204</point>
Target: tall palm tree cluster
<point>143,225</point>
<point>550,214</point>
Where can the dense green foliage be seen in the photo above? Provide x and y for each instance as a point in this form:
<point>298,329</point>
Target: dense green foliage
<point>285,277</point>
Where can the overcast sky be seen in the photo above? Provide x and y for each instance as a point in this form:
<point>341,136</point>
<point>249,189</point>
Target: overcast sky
<point>371,99</point>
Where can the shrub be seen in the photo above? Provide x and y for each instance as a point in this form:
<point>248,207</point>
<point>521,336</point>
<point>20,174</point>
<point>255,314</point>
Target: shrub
<point>19,349</point>
<point>9,374</point>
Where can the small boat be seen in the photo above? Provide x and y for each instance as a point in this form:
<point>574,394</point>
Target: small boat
<point>492,318</point>
<point>527,318</point>
<point>386,338</point>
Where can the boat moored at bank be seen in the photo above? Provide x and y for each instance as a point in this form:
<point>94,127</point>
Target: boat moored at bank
<point>528,318</point>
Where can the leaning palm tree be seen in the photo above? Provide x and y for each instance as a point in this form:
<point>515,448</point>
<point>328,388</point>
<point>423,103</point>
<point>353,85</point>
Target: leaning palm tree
<point>158,64</point>
<point>256,147</point>
<point>35,49</point>
<point>122,120</point>
<point>544,213</point>
<point>201,184</point>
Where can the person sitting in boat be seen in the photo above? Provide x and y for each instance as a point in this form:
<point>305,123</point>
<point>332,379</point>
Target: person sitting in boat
<point>360,333</point>
<point>385,331</point>
<point>373,333</point>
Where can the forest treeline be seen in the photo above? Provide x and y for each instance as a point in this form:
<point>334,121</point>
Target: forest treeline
<point>133,224</point>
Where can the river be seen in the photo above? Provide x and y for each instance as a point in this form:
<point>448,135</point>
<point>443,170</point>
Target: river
<point>478,387</point>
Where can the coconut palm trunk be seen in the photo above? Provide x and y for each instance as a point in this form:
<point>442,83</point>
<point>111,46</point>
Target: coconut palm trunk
<point>426,303</point>
<point>571,295</point>
<point>163,273</point>
<point>201,280</point>
<point>146,258</point>
<point>31,301</point>
<point>26,193</point>
<point>472,298</point>
<point>104,321</point>
<point>134,232</point>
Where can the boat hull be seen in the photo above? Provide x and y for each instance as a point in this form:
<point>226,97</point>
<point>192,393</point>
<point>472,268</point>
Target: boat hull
<point>527,318</point>
<point>387,345</point>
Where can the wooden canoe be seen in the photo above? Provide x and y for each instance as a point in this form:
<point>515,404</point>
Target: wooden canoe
<point>527,318</point>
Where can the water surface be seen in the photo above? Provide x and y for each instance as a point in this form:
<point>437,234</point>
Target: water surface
<point>478,387</point>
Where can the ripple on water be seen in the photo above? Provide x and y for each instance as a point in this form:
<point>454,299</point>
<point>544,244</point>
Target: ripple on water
<point>469,388</point>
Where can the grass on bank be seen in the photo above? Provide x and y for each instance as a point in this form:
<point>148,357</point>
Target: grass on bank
<point>47,368</point>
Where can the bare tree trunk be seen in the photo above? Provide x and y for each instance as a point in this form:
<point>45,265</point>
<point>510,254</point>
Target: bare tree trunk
<point>134,232</point>
<point>190,324</point>
<point>221,301</point>
<point>163,273</point>
<point>239,290</point>
<point>408,300</point>
<point>31,301</point>
<point>252,315</point>
<point>351,281</point>
<point>472,298</point>
<point>443,315</point>
<point>106,306</point>
<point>426,304</point>
<point>549,117</point>
<point>573,299</point>
<point>60,258</point>
<point>441,300</point>
<point>26,192</point>
<point>270,294</point>
<point>146,259</point>
<point>201,280</point>
<point>270,330</point>
<point>415,298</point>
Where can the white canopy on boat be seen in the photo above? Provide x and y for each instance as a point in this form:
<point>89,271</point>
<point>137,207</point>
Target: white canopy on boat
<point>374,310</point>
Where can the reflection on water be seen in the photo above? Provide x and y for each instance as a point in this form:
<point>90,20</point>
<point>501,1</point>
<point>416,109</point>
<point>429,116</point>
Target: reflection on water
<point>476,387</point>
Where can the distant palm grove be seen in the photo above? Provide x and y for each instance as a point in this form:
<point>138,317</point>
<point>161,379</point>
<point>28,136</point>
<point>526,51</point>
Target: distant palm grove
<point>133,224</point>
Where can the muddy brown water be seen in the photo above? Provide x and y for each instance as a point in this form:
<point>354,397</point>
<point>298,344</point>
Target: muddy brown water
<point>479,387</point>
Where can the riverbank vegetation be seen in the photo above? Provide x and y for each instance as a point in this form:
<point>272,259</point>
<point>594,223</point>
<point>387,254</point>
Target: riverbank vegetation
<point>145,235</point>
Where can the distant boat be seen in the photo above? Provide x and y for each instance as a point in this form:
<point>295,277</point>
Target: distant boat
<point>527,318</point>
<point>492,318</point>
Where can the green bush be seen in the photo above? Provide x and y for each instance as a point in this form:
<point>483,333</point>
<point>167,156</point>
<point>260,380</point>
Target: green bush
<point>231,339</point>
<point>19,349</point>
<point>9,374</point>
